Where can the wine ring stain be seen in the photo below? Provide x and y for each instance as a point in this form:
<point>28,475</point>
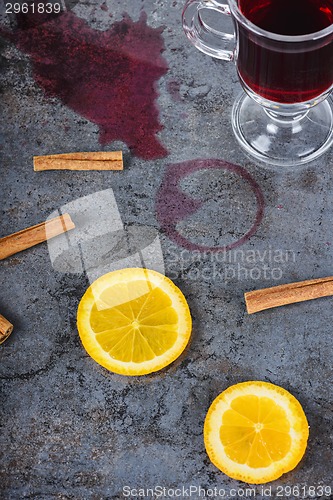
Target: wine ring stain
<point>173,205</point>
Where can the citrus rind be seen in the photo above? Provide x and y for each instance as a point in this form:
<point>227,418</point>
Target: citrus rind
<point>299,432</point>
<point>125,276</point>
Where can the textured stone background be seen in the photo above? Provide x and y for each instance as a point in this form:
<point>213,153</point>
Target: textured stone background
<point>70,429</point>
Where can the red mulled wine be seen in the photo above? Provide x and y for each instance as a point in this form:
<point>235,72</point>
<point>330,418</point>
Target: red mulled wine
<point>286,72</point>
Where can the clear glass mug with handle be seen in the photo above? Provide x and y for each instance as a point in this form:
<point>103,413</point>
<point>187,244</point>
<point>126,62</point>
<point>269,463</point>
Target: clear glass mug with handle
<point>285,116</point>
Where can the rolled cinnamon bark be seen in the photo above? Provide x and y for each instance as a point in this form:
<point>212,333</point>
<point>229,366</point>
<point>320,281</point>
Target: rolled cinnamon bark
<point>259,300</point>
<point>100,160</point>
<point>27,238</point>
<point>6,328</point>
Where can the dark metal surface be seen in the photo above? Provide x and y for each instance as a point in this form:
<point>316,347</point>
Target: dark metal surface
<point>69,428</point>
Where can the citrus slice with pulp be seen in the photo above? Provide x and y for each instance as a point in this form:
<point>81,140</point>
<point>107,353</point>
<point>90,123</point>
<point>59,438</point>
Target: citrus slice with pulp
<point>255,432</point>
<point>134,321</point>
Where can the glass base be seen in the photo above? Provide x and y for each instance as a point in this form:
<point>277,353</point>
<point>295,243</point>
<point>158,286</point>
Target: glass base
<point>283,139</point>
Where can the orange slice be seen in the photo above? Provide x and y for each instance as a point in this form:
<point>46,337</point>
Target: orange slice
<point>255,432</point>
<point>134,321</point>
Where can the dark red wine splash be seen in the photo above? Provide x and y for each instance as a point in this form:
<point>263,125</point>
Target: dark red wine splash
<point>107,77</point>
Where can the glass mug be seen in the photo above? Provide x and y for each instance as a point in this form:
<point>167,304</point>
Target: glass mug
<point>283,51</point>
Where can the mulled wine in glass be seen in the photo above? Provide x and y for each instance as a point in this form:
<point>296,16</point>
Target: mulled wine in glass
<point>283,50</point>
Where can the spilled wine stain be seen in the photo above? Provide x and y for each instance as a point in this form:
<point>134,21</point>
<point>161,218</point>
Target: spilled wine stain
<point>173,205</point>
<point>173,87</point>
<point>108,77</point>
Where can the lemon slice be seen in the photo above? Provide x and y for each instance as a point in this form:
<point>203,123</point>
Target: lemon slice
<point>255,432</point>
<point>134,321</point>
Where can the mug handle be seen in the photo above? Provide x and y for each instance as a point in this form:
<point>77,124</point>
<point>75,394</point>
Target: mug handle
<point>203,37</point>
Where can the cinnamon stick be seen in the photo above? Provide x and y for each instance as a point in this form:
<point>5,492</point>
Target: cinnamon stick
<point>107,160</point>
<point>14,243</point>
<point>259,300</point>
<point>6,328</point>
